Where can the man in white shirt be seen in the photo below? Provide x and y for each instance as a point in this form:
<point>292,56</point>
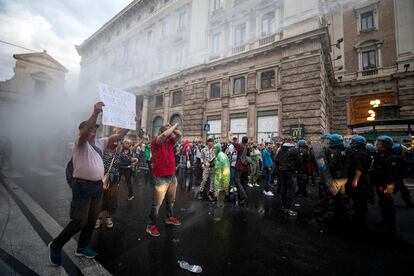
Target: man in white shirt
<point>87,187</point>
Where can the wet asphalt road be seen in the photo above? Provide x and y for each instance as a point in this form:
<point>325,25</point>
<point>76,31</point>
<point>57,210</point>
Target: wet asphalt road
<point>257,240</point>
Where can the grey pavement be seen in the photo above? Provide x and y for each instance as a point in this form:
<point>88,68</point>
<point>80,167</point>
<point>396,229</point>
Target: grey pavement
<point>25,244</point>
<point>20,241</point>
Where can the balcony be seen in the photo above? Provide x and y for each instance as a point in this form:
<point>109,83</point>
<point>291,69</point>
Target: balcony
<point>267,39</point>
<point>369,72</point>
<point>238,49</point>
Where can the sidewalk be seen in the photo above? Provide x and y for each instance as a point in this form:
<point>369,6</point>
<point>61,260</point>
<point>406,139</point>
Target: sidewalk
<point>21,248</point>
<point>27,230</point>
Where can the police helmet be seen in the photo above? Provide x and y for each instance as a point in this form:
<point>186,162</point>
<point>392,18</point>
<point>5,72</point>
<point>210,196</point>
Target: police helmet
<point>325,136</point>
<point>397,148</point>
<point>336,140</point>
<point>302,143</point>
<point>387,140</point>
<point>371,148</point>
<point>358,140</point>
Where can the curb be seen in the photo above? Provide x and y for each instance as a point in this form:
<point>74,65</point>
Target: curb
<point>86,266</point>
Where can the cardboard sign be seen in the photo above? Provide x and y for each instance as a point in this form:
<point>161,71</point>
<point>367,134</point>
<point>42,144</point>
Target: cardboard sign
<point>119,109</point>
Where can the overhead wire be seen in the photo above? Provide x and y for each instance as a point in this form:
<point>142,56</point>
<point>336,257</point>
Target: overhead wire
<point>34,51</point>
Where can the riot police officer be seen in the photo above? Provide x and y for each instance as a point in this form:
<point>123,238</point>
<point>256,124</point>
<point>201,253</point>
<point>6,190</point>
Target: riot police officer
<point>402,171</point>
<point>359,163</point>
<point>337,165</point>
<point>303,172</point>
<point>372,151</point>
<point>384,175</point>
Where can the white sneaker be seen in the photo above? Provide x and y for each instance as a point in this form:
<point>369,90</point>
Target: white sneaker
<point>109,223</point>
<point>250,185</point>
<point>291,212</point>
<point>256,185</point>
<point>98,223</point>
<point>130,198</point>
<point>269,193</point>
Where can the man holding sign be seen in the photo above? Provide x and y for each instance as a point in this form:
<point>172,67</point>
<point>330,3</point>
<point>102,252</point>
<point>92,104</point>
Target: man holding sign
<point>87,187</point>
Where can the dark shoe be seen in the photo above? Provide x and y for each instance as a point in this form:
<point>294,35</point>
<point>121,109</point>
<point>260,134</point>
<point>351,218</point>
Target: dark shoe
<point>211,197</point>
<point>55,255</point>
<point>153,230</point>
<point>86,252</point>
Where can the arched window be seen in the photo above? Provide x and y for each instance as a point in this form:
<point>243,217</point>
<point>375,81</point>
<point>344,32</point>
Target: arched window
<point>157,123</point>
<point>176,119</point>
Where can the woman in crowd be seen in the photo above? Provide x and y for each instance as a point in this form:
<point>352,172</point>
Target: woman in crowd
<point>222,174</point>
<point>110,197</point>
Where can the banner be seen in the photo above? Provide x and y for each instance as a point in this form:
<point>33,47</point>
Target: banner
<point>119,109</point>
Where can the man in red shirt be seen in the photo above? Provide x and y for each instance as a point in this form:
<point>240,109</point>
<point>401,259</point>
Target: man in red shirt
<point>163,171</point>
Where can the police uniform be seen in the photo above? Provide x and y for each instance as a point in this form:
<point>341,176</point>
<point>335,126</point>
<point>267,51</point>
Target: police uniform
<point>384,176</point>
<point>303,172</point>
<point>360,160</point>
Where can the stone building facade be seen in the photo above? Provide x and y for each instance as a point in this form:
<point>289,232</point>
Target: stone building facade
<point>377,65</point>
<point>35,76</point>
<point>263,68</point>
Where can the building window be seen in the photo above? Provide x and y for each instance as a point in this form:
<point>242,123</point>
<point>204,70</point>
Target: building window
<point>176,119</point>
<point>182,18</point>
<point>159,100</point>
<point>369,59</point>
<point>215,90</point>
<point>215,128</point>
<point>177,98</point>
<point>217,4</point>
<point>239,35</point>
<point>367,20</point>
<point>164,28</point>
<point>39,89</point>
<point>267,24</point>
<point>238,125</point>
<point>157,123</point>
<point>267,80</point>
<point>179,56</point>
<point>149,36</point>
<point>267,126</point>
<point>239,86</point>
<point>215,43</point>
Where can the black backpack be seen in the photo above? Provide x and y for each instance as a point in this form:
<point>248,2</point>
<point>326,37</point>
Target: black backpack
<point>69,166</point>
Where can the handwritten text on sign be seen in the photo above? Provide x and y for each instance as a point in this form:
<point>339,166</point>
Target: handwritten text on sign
<point>119,109</point>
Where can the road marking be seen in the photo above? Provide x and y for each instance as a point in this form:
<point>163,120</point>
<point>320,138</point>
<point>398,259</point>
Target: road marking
<point>40,171</point>
<point>11,174</point>
<point>88,267</point>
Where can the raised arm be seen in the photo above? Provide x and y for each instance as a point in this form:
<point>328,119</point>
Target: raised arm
<point>163,136</point>
<point>178,134</point>
<point>120,133</point>
<point>90,123</point>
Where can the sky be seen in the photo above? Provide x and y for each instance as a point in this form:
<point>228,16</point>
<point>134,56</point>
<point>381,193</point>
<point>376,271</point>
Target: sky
<point>51,25</point>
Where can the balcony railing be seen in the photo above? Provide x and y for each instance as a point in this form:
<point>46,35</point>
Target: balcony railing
<point>370,72</point>
<point>239,49</point>
<point>267,39</point>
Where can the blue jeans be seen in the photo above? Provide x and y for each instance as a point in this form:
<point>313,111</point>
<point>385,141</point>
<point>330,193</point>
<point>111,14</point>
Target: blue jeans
<point>267,179</point>
<point>232,177</point>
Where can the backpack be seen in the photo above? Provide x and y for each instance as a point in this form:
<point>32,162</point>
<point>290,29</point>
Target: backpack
<point>69,166</point>
<point>244,159</point>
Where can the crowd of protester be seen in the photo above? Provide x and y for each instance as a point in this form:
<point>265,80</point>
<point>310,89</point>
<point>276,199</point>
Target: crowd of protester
<point>347,172</point>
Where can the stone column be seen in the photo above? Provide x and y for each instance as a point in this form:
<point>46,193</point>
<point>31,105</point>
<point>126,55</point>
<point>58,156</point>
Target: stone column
<point>144,118</point>
<point>166,107</point>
